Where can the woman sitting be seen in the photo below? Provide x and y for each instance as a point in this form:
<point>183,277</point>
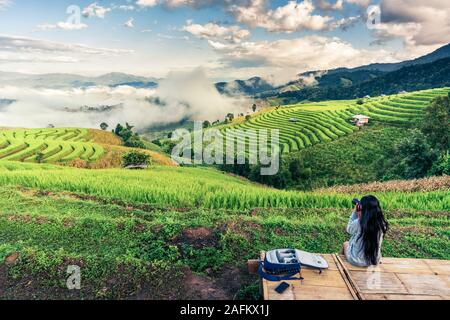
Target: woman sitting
<point>367,227</point>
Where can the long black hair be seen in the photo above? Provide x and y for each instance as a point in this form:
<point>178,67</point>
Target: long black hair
<point>373,224</point>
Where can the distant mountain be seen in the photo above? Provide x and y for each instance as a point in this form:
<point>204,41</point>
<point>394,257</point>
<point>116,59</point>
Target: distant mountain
<point>336,78</point>
<point>63,81</point>
<point>441,53</point>
<point>415,77</point>
<point>249,87</point>
<point>6,102</point>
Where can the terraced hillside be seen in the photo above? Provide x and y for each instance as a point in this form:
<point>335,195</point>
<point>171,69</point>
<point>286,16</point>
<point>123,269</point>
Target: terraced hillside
<point>50,145</point>
<point>307,124</point>
<point>80,147</point>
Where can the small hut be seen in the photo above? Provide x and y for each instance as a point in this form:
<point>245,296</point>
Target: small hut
<point>360,120</point>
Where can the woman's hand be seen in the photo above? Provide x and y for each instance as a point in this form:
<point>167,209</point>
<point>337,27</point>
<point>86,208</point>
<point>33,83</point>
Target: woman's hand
<point>358,211</point>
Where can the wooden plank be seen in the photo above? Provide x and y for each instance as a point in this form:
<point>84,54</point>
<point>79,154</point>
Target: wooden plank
<point>381,296</point>
<point>393,265</point>
<point>441,267</point>
<point>426,284</point>
<point>298,291</point>
<point>352,286</point>
<point>378,282</point>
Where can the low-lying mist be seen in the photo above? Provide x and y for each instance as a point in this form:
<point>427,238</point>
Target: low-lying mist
<point>190,95</point>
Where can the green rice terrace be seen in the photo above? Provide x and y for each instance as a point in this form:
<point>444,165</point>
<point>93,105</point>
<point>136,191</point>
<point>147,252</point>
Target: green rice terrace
<point>133,233</point>
<point>69,146</point>
<point>307,124</point>
<point>54,145</point>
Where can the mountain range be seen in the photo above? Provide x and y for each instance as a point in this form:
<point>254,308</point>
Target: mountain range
<point>343,78</point>
<point>341,83</point>
<point>64,81</point>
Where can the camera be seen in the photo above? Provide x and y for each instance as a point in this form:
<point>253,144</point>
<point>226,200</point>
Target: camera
<point>358,205</point>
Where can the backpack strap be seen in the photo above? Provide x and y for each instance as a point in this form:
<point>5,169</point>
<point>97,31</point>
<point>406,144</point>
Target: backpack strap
<point>276,278</point>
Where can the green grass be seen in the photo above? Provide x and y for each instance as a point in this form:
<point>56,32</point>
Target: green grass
<point>196,187</point>
<point>119,245</point>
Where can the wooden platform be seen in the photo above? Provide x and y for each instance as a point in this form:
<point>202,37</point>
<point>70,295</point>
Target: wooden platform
<point>394,279</point>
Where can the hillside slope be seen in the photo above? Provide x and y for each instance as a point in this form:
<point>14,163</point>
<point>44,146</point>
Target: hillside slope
<point>71,146</point>
<point>431,75</point>
<point>308,124</point>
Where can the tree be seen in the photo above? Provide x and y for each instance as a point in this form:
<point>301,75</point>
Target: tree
<point>360,102</point>
<point>436,123</point>
<point>136,158</point>
<point>40,157</point>
<point>412,157</point>
<point>230,116</point>
<point>129,138</point>
<point>135,142</point>
<point>254,107</point>
<point>247,117</point>
<point>104,126</point>
<point>441,166</point>
<point>206,124</point>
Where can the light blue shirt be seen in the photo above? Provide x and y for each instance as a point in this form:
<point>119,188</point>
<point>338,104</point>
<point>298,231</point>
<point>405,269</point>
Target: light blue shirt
<point>355,253</point>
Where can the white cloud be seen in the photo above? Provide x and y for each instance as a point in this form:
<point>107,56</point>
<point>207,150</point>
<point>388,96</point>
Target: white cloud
<point>63,26</point>
<point>147,3</point>
<point>4,4</point>
<point>182,95</point>
<point>22,49</point>
<point>325,5</point>
<point>292,17</point>
<point>215,31</point>
<point>286,58</point>
<point>126,7</point>
<point>94,10</point>
<point>423,25</point>
<point>362,3</point>
<point>71,26</point>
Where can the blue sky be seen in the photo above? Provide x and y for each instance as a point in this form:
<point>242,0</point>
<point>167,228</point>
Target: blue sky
<point>228,38</point>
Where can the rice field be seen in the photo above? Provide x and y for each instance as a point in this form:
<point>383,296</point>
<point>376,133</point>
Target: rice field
<point>196,187</point>
<point>48,145</point>
<point>304,125</point>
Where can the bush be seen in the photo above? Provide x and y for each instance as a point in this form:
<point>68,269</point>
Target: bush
<point>412,157</point>
<point>136,158</point>
<point>441,166</point>
<point>435,123</point>
<point>40,157</point>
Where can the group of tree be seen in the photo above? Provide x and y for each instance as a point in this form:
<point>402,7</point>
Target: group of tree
<point>136,158</point>
<point>426,150</point>
<point>291,173</point>
<point>130,138</point>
